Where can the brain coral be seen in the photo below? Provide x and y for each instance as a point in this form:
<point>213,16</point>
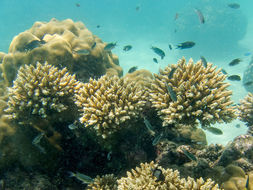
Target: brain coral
<point>106,182</point>
<point>143,178</point>
<point>246,110</point>
<point>62,44</point>
<point>41,91</point>
<point>187,92</point>
<point>106,104</point>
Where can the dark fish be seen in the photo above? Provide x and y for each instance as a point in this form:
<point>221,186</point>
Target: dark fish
<point>98,26</point>
<point>158,51</point>
<point>247,183</point>
<point>170,46</point>
<point>110,46</point>
<point>149,127</point>
<point>214,130</point>
<point>234,5</point>
<point>132,69</point>
<point>127,47</point>
<point>93,45</point>
<point>248,83</point>
<point>155,60</point>
<point>235,62</point>
<point>172,93</point>
<point>157,139</point>
<point>234,78</point>
<point>203,60</point>
<point>237,125</point>
<point>77,5</point>
<point>172,72</point>
<point>185,45</point>
<point>33,44</point>
<point>137,8</point>
<point>176,16</point>
<point>189,155</point>
<point>200,15</point>
<point>83,178</point>
<point>158,174</point>
<point>72,126</point>
<point>82,51</point>
<point>224,71</point>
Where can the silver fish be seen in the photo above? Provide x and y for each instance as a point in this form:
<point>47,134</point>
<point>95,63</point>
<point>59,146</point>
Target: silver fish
<point>189,155</point>
<point>37,139</point>
<point>149,127</point>
<point>200,15</point>
<point>82,52</point>
<point>72,126</point>
<point>157,139</point>
<point>81,177</point>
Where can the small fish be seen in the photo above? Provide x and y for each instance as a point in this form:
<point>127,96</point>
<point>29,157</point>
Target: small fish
<point>249,83</point>
<point>72,126</point>
<point>176,16</point>
<point>189,155</point>
<point>132,69</point>
<point>155,60</point>
<point>247,184</point>
<point>93,45</point>
<point>110,46</point>
<point>77,5</point>
<point>172,93</point>
<point>98,26</point>
<point>185,45</point>
<point>237,125</point>
<point>2,184</point>
<point>33,44</point>
<point>158,174</point>
<point>81,177</point>
<point>82,52</point>
<point>214,130</point>
<point>109,155</point>
<point>149,127</point>
<point>37,139</point>
<point>170,46</point>
<point>172,72</point>
<point>224,71</point>
<point>158,51</point>
<point>127,47</point>
<point>137,8</point>
<point>234,78</point>
<point>247,54</point>
<point>157,139</point>
<point>203,60</point>
<point>234,5</point>
<point>235,62</point>
<point>200,15</point>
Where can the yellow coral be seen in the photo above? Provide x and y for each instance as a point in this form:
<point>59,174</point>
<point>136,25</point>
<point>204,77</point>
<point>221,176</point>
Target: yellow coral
<point>40,92</point>
<point>142,178</point>
<point>107,103</point>
<point>246,109</point>
<point>106,182</point>
<point>61,44</point>
<point>196,93</point>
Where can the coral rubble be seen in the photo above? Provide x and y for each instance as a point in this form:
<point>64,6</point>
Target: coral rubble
<point>187,92</point>
<point>106,104</point>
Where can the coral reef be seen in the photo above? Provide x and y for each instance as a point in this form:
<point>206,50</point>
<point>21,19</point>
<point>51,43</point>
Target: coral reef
<point>62,44</point>
<point>144,178</point>
<point>106,104</point>
<point>187,92</point>
<point>106,182</point>
<point>41,91</point>
<point>246,111</point>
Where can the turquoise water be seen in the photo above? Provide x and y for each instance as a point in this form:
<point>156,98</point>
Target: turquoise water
<point>225,35</point>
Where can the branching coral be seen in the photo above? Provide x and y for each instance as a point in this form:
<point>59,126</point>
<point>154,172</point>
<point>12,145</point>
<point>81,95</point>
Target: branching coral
<point>144,178</point>
<point>41,91</point>
<point>106,182</point>
<point>187,92</point>
<point>246,110</point>
<point>107,103</point>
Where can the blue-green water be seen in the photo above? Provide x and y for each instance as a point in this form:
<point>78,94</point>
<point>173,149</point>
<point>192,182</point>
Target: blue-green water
<point>225,35</point>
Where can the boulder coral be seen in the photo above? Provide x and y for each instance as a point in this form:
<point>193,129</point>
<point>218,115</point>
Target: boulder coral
<point>41,92</point>
<point>145,178</point>
<point>109,102</point>
<point>186,93</point>
<point>62,44</point>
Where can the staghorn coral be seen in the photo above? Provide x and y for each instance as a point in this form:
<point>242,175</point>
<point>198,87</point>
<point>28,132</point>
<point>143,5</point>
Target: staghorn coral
<point>109,102</point>
<point>62,44</point>
<point>105,182</point>
<point>246,111</point>
<point>142,178</point>
<point>41,91</point>
<point>197,93</point>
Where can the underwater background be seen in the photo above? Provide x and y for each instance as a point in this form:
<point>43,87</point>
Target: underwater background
<point>225,35</point>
